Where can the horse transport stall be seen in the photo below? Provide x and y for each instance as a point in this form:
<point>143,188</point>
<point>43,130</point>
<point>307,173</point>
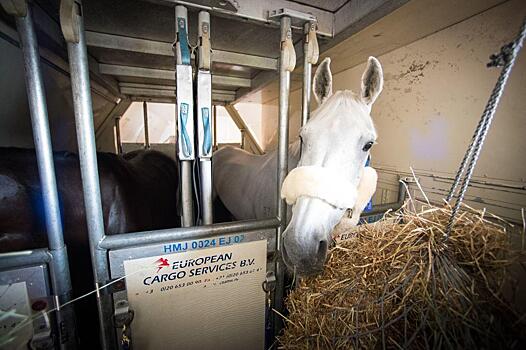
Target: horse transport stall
<point>228,277</point>
<point>205,284</point>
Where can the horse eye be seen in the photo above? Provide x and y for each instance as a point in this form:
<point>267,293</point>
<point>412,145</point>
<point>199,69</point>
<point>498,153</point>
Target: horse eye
<point>367,146</point>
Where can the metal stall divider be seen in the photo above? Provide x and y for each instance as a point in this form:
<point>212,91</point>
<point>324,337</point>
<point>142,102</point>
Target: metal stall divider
<point>118,142</point>
<point>204,117</point>
<point>287,62</point>
<point>132,247</point>
<point>56,256</point>
<point>146,132</point>
<point>185,113</point>
<point>311,53</point>
<point>72,25</point>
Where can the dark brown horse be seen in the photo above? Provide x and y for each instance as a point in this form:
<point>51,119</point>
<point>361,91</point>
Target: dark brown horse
<point>139,191</point>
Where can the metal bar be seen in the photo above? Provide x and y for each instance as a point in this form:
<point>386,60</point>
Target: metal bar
<point>185,115</point>
<point>24,258</point>
<point>147,86</point>
<point>167,74</point>
<point>282,165</point>
<point>118,135</point>
<point>242,145</point>
<point>71,16</point>
<point>152,47</point>
<point>134,89</point>
<point>307,77</point>
<point>241,59</point>
<point>148,92</point>
<point>206,191</point>
<point>196,232</point>
<point>118,111</point>
<point>146,132</point>
<point>204,106</point>
<point>216,98</point>
<point>187,194</point>
<point>59,268</point>
<point>223,80</point>
<point>167,88</point>
<point>39,121</point>
<point>283,125</point>
<point>243,127</point>
<point>257,11</point>
<point>214,125</point>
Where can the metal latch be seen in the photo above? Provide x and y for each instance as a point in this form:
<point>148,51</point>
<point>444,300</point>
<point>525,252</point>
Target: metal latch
<point>123,314</point>
<point>269,284</point>
<point>42,338</point>
<point>122,318</point>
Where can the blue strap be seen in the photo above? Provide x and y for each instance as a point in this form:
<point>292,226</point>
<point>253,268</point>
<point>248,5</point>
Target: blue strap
<point>369,205</point>
<point>207,142</point>
<point>183,41</point>
<point>187,146</point>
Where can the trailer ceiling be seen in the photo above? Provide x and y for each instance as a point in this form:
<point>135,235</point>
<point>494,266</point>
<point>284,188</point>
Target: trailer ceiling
<point>130,41</point>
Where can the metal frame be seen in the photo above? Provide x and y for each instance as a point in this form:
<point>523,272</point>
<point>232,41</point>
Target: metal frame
<point>100,244</point>
<point>185,115</point>
<point>118,141</point>
<point>283,160</point>
<point>72,21</point>
<point>152,47</point>
<point>310,57</point>
<point>204,117</point>
<point>146,132</point>
<point>56,255</point>
<point>244,129</point>
<point>257,11</point>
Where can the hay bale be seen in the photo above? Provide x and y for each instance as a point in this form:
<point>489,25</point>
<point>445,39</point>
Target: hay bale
<point>399,284</point>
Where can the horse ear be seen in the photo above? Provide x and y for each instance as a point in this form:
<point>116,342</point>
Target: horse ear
<point>372,81</point>
<point>322,85</point>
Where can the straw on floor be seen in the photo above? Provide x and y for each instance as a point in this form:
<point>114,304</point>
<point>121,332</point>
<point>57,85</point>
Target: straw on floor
<point>399,284</point>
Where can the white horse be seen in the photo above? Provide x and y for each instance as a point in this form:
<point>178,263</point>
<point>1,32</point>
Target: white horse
<point>327,169</point>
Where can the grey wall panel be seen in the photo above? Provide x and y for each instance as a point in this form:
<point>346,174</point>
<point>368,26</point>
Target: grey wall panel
<point>15,126</point>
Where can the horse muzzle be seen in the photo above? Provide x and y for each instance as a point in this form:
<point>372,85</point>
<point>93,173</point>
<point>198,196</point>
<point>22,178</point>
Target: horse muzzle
<point>306,263</point>
<point>308,235</point>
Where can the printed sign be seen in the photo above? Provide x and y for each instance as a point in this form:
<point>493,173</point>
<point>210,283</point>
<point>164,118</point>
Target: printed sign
<point>199,299</point>
<point>14,302</point>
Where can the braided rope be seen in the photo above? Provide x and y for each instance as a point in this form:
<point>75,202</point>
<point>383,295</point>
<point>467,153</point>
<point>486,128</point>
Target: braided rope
<point>506,58</point>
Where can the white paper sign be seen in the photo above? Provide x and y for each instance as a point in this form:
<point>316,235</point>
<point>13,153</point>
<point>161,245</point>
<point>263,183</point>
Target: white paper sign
<point>13,297</point>
<point>204,299</point>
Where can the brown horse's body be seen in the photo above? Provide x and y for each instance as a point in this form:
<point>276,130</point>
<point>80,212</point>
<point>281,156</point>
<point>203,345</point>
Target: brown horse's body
<point>139,192</point>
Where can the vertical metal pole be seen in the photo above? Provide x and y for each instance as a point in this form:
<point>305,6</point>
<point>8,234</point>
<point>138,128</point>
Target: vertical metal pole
<point>282,168</point>
<point>204,118</point>
<point>214,125</point>
<point>310,56</point>
<point>146,132</point>
<point>73,29</point>
<point>242,145</point>
<point>206,191</point>
<point>118,134</point>
<point>185,110</point>
<point>59,268</point>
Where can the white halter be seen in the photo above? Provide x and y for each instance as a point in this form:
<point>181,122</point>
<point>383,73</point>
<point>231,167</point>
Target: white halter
<point>325,184</point>
<point>318,182</point>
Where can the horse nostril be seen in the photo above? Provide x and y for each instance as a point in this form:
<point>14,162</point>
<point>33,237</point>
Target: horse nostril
<point>322,250</point>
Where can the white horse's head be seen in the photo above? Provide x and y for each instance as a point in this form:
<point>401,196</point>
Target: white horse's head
<point>335,145</point>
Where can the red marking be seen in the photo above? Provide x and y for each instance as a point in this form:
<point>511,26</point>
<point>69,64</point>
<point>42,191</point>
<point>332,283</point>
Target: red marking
<point>161,263</point>
<point>39,305</point>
